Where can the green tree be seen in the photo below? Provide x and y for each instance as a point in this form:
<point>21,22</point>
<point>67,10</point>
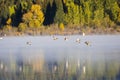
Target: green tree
<point>59,17</point>
<point>81,14</point>
<point>118,19</point>
<point>25,5</point>
<point>115,11</point>
<point>4,11</point>
<point>72,15</point>
<point>12,10</point>
<point>98,13</point>
<point>87,12</point>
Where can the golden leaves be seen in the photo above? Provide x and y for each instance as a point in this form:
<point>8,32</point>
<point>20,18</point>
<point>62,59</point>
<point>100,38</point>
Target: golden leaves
<point>35,17</point>
<point>61,26</point>
<point>27,17</point>
<point>9,21</point>
<point>35,8</point>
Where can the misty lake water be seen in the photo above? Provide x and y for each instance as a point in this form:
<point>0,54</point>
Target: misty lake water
<point>43,58</point>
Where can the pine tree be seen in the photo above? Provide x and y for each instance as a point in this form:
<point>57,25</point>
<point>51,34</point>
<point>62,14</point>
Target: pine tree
<point>72,15</point>
<point>87,12</point>
<point>115,11</point>
<point>59,17</point>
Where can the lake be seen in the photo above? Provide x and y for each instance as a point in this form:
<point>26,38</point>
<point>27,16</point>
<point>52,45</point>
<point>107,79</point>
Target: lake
<point>76,57</point>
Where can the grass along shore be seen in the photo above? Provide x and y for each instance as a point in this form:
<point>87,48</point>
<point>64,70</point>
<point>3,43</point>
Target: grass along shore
<point>53,30</point>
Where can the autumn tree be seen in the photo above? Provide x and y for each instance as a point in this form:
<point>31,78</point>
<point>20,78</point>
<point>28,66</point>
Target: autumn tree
<point>90,13</point>
<point>35,17</point>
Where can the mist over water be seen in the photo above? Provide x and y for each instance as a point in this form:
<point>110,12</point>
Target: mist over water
<point>61,59</point>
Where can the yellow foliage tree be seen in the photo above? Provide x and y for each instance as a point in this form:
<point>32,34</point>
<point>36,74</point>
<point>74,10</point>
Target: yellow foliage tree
<point>27,17</point>
<point>35,17</point>
<point>61,26</point>
<point>35,8</point>
<point>31,24</point>
<point>7,28</point>
<point>22,27</point>
<point>8,21</point>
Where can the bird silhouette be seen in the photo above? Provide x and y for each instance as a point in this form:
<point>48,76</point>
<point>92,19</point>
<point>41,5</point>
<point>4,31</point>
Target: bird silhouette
<point>29,43</point>
<point>65,38</point>
<point>87,43</point>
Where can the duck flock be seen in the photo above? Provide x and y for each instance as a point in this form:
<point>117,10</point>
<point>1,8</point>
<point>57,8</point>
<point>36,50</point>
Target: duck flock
<point>66,38</point>
<point>77,40</point>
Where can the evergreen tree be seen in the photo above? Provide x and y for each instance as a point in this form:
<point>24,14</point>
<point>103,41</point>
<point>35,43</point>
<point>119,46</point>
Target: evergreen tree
<point>59,17</point>
<point>114,11</point>
<point>87,12</point>
<point>81,14</point>
<point>98,13</point>
<point>72,15</point>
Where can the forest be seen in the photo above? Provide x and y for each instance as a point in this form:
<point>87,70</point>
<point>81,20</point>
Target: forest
<point>22,15</point>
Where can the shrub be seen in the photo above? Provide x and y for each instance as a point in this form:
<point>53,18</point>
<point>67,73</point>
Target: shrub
<point>22,27</point>
<point>61,27</point>
<point>7,28</point>
<point>34,24</point>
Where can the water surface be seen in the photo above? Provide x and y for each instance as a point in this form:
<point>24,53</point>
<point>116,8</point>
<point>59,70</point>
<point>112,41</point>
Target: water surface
<point>47,59</point>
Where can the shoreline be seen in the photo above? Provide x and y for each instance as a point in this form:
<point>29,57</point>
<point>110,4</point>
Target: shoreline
<point>48,32</point>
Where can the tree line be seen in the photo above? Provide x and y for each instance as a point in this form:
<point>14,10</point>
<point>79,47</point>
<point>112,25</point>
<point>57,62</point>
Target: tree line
<point>78,13</point>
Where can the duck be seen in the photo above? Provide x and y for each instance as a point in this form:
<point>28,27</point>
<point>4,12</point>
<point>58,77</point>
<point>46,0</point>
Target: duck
<point>4,35</point>
<point>83,34</point>
<point>55,38</point>
<point>29,43</point>
<point>78,40</point>
<point>87,43</point>
<point>65,38</point>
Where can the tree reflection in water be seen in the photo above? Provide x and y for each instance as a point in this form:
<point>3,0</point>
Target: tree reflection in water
<point>70,69</point>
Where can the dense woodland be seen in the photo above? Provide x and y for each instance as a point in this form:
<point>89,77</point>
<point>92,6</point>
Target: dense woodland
<point>23,14</point>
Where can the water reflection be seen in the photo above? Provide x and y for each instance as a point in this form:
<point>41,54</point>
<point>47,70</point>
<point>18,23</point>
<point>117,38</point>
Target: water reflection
<point>39,68</point>
<point>61,59</point>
